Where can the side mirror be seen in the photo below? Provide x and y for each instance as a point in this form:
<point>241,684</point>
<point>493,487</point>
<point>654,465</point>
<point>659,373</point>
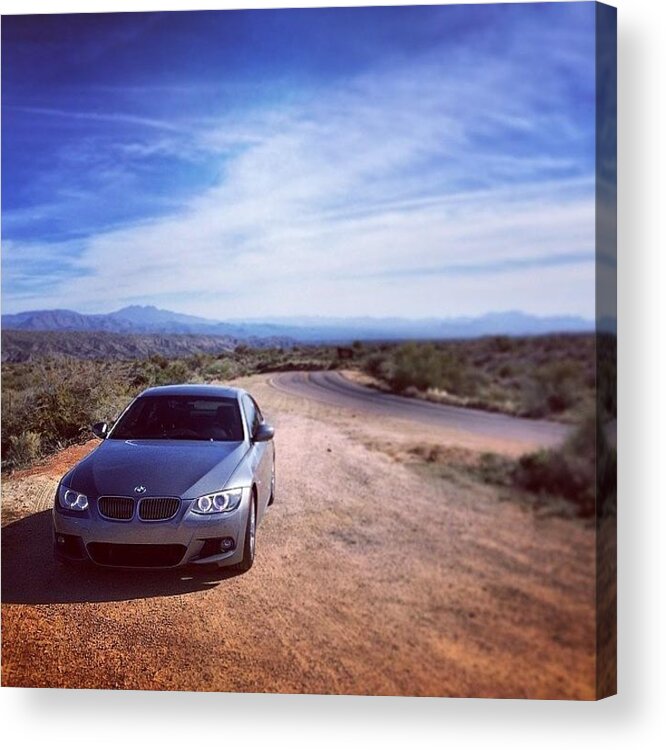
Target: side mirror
<point>100,429</point>
<point>263,433</point>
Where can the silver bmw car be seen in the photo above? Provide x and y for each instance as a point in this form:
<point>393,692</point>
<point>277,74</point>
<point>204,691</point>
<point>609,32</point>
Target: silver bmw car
<point>184,476</point>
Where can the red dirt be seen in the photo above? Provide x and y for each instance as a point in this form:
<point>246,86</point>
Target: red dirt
<point>371,578</point>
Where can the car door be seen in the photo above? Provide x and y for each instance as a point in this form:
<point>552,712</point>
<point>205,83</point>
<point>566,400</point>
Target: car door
<point>268,455</point>
<point>260,455</point>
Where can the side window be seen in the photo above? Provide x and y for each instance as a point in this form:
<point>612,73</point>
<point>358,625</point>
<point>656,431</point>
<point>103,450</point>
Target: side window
<point>251,415</point>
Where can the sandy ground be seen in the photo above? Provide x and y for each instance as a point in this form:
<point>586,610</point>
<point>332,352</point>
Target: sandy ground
<point>370,578</point>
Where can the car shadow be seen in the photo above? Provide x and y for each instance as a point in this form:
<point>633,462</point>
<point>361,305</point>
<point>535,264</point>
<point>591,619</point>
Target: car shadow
<point>30,575</point>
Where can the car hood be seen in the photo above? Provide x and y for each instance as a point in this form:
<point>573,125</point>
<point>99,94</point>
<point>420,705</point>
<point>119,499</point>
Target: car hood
<point>183,468</point>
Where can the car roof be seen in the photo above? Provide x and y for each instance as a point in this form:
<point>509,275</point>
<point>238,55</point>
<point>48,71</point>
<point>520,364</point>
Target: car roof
<point>194,389</point>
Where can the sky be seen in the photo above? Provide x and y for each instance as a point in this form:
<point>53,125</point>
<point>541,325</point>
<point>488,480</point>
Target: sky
<point>403,161</point>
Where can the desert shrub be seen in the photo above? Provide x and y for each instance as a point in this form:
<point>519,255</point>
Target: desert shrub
<point>63,401</point>
<point>168,373</point>
<point>492,393</point>
<point>583,471</point>
<point>159,361</point>
<point>263,360</point>
<point>568,472</point>
<point>69,399</point>
<point>417,366</point>
<point>560,474</point>
<point>16,408</point>
<point>198,362</point>
<point>506,370</point>
<point>555,387</point>
<point>424,366</point>
<point>221,369</point>
<point>179,372</point>
<point>139,378</point>
<point>482,360</point>
<point>22,449</point>
<point>495,469</point>
<point>375,364</point>
<point>412,367</point>
<point>503,343</point>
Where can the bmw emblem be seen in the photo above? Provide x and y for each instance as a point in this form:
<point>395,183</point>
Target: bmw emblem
<point>140,489</point>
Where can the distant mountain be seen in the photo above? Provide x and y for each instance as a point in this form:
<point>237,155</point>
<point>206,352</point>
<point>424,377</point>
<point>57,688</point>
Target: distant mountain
<point>140,319</point>
<point>57,320</point>
<point>133,319</point>
<point>147,315</point>
<point>512,323</point>
<point>29,346</point>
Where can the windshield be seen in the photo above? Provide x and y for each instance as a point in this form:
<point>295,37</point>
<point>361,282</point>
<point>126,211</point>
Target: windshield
<point>180,418</point>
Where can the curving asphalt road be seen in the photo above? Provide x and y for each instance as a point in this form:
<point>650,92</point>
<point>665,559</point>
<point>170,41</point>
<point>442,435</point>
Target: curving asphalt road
<point>333,388</point>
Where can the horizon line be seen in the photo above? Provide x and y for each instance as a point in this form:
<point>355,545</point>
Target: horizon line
<point>285,317</point>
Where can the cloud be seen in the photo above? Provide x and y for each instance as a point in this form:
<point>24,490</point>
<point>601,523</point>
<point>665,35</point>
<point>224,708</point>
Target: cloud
<point>107,117</point>
<point>428,188</point>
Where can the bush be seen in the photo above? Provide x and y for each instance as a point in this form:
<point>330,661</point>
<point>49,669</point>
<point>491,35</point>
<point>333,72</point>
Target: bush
<point>198,361</point>
<point>421,367</point>
<point>159,361</point>
<point>221,369</point>
<point>71,398</point>
<point>495,469</point>
<point>58,409</point>
<point>502,343</point>
<point>22,449</point>
<point>506,370</point>
<point>376,365</point>
<point>569,472</point>
<point>417,366</point>
<point>555,388</point>
<point>177,372</point>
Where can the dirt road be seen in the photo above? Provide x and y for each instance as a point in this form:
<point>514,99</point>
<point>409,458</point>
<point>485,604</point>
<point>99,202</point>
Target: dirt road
<point>372,577</point>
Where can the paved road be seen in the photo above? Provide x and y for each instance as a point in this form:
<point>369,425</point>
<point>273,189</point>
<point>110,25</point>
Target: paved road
<point>333,388</point>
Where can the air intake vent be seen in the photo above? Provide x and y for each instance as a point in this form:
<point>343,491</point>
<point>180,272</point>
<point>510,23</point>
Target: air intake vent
<point>158,508</point>
<point>136,555</point>
<point>117,508</point>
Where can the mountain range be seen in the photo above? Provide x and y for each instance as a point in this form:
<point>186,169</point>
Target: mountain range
<point>146,319</point>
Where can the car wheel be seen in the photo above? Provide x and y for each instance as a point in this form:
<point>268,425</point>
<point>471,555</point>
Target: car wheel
<point>271,499</point>
<point>249,542</point>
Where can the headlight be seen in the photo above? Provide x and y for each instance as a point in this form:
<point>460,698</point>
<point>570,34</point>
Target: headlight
<point>72,500</point>
<point>218,502</point>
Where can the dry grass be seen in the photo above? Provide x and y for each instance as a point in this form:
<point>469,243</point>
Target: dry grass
<point>50,403</point>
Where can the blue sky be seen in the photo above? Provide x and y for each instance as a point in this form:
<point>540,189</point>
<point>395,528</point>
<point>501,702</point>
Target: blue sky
<point>412,161</point>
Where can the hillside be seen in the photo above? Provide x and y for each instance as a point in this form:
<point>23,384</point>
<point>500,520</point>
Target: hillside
<point>28,346</point>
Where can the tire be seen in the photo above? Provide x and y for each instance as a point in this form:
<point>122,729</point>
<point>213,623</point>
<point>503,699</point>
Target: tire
<point>249,542</point>
<point>271,499</point>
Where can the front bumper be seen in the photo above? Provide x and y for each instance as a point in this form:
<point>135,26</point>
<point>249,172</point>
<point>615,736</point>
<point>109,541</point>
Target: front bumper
<point>188,538</point>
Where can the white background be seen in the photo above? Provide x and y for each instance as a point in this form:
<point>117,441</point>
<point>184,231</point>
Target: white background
<point>60,718</point>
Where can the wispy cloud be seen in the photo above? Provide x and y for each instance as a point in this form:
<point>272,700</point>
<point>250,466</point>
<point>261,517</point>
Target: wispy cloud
<point>453,183</point>
<point>493,268</point>
<point>109,117</point>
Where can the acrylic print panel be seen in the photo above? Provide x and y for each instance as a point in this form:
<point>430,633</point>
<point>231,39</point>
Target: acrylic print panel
<point>335,290</point>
